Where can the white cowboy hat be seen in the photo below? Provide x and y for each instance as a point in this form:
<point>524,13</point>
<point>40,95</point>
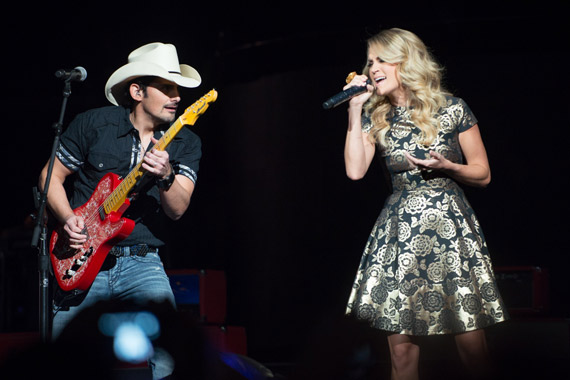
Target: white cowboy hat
<point>155,59</point>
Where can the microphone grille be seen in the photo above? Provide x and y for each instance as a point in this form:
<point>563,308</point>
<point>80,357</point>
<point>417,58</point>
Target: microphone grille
<point>83,73</point>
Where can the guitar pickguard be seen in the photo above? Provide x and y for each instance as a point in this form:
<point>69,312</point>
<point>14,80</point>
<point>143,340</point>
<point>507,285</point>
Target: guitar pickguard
<point>75,268</point>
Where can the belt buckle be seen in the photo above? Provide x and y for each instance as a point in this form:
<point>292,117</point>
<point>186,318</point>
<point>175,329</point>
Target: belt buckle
<point>140,250</point>
<point>116,251</point>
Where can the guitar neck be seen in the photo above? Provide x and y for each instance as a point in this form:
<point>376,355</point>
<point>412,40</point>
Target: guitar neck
<point>116,199</point>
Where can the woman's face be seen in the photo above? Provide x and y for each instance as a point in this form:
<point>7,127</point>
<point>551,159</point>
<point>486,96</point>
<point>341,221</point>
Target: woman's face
<point>386,79</point>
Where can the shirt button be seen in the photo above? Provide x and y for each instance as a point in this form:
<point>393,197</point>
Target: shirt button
<point>100,165</point>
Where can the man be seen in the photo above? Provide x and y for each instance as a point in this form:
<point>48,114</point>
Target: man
<point>114,139</point>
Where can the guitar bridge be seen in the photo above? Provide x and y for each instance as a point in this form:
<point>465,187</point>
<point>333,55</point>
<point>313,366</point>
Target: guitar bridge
<point>77,264</point>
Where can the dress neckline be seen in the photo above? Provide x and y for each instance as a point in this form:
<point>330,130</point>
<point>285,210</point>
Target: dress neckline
<point>399,111</point>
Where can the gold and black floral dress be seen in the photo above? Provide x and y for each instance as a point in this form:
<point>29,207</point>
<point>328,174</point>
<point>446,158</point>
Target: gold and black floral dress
<point>426,268</point>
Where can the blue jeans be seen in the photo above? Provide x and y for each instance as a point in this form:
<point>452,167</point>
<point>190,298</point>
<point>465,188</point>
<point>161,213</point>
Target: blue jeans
<point>135,279</point>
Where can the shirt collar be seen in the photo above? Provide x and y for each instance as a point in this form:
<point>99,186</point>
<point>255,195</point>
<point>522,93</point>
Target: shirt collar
<point>125,125</point>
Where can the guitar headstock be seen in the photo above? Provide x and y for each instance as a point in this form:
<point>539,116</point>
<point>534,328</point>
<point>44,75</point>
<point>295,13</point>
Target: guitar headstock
<point>198,108</point>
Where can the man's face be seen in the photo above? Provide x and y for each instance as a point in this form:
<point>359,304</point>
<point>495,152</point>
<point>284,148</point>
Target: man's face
<point>160,100</point>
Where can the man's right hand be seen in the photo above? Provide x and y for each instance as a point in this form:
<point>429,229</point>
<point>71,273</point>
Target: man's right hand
<point>75,228</point>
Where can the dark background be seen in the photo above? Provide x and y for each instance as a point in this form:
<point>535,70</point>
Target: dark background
<point>273,207</point>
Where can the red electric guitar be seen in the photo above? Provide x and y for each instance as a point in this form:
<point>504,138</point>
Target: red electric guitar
<point>104,224</point>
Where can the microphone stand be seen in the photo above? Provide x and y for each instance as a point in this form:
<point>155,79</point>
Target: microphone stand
<point>39,236</point>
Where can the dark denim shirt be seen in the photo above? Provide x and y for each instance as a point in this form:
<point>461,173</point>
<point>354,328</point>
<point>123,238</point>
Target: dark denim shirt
<point>103,140</point>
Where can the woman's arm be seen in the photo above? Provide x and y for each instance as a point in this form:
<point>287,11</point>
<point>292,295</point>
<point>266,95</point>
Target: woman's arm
<point>475,171</point>
<point>358,150</point>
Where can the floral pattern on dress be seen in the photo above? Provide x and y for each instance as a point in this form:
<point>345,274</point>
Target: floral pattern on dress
<point>426,268</point>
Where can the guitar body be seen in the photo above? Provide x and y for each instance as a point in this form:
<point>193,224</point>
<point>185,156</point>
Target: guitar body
<point>77,268</point>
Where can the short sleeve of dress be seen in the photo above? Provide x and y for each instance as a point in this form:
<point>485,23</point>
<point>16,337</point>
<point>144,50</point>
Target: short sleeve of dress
<point>366,122</point>
<point>466,117</point>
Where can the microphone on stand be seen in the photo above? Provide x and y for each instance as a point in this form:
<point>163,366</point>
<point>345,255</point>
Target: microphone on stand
<point>77,74</point>
<point>345,95</point>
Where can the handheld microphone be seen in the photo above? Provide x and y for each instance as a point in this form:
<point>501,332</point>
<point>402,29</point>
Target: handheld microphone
<point>345,95</point>
<point>77,74</point>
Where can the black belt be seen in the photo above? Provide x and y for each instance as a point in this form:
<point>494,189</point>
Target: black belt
<point>133,250</point>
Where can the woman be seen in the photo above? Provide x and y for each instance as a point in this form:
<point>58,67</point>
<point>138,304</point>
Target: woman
<point>425,268</point>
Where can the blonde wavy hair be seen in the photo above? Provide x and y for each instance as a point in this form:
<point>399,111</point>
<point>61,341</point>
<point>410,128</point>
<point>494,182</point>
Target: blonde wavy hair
<point>420,76</point>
